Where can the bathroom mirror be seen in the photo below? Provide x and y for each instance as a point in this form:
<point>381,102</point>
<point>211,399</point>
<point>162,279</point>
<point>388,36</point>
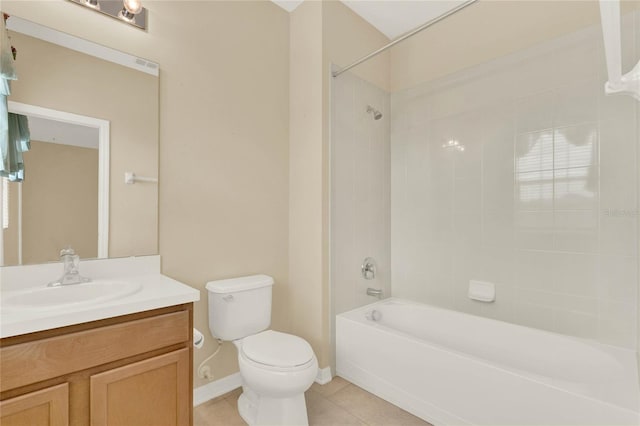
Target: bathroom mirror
<point>92,120</point>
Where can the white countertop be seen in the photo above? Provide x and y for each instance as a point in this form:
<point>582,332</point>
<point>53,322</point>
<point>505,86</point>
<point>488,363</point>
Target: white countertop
<point>157,291</point>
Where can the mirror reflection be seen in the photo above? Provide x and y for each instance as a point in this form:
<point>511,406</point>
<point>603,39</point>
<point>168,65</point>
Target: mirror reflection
<point>74,192</point>
<point>57,204</point>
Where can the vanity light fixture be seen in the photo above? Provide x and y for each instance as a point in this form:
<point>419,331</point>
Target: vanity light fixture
<point>129,11</point>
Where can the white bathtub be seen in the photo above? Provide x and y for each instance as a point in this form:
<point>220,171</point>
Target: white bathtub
<point>452,368</point>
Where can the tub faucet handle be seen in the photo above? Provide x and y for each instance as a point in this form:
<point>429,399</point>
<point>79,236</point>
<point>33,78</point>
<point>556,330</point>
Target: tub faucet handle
<point>369,268</point>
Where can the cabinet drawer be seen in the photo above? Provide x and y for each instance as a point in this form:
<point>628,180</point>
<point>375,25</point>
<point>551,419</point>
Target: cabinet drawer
<point>32,362</point>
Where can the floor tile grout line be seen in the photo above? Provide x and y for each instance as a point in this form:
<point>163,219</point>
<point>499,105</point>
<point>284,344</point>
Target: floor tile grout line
<point>339,407</point>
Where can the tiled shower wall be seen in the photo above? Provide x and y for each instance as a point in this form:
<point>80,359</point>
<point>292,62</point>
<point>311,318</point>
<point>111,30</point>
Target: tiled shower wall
<point>542,201</point>
<point>360,191</point>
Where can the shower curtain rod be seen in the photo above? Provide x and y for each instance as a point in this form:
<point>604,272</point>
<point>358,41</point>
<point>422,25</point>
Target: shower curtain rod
<point>405,36</point>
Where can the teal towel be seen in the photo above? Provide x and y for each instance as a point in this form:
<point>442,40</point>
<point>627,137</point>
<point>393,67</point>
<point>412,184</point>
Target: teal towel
<point>18,141</point>
<point>7,70</point>
<point>14,129</point>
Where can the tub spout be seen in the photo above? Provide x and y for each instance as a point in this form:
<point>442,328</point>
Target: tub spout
<point>375,292</point>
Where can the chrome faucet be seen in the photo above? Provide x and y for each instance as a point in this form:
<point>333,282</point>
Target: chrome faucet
<point>71,274</point>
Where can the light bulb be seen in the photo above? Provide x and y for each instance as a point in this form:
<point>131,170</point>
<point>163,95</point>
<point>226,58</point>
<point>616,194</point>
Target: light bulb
<point>130,10</point>
<point>133,6</point>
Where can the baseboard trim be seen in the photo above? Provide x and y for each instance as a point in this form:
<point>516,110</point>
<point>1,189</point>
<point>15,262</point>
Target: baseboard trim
<point>219,387</point>
<point>216,388</point>
<point>324,376</point>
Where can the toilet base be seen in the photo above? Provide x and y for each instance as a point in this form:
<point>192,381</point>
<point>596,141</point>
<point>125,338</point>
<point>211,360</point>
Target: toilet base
<point>259,410</point>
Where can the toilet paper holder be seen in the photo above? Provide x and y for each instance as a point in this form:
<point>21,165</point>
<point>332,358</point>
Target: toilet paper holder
<point>198,338</point>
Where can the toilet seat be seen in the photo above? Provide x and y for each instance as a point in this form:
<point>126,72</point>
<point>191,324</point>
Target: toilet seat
<point>278,350</point>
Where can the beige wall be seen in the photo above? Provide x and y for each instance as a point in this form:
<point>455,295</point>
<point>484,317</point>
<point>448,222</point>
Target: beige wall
<point>59,201</point>
<point>10,235</point>
<point>484,31</point>
<point>224,150</point>
<point>306,252</point>
<point>59,204</point>
<point>54,77</point>
<point>321,34</point>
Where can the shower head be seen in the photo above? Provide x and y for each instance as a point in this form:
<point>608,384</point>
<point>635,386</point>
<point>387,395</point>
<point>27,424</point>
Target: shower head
<point>377,115</point>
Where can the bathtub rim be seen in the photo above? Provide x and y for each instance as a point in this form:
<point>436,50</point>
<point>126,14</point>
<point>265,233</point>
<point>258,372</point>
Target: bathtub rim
<point>402,301</point>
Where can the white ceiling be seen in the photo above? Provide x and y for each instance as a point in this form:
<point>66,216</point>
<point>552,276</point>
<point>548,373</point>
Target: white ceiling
<point>396,17</point>
<point>44,130</point>
<point>391,17</point>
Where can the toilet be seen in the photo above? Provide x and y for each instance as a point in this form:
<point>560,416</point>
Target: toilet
<point>276,368</point>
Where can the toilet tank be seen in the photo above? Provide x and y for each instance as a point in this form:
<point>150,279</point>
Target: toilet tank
<point>239,307</point>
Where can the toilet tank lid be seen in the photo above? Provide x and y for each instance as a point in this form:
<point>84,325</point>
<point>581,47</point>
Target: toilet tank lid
<point>232,285</point>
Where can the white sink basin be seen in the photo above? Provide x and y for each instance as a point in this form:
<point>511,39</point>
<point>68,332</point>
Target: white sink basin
<point>43,298</point>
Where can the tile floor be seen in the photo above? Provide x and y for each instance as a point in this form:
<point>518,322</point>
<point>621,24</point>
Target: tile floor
<point>335,404</point>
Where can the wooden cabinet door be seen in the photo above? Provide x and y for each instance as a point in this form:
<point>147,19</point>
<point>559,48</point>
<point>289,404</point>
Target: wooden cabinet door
<point>153,392</point>
<point>46,407</point>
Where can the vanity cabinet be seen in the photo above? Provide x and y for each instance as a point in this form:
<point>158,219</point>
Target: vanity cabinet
<point>129,370</point>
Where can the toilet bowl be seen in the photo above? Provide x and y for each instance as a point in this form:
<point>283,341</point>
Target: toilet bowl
<point>276,368</point>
